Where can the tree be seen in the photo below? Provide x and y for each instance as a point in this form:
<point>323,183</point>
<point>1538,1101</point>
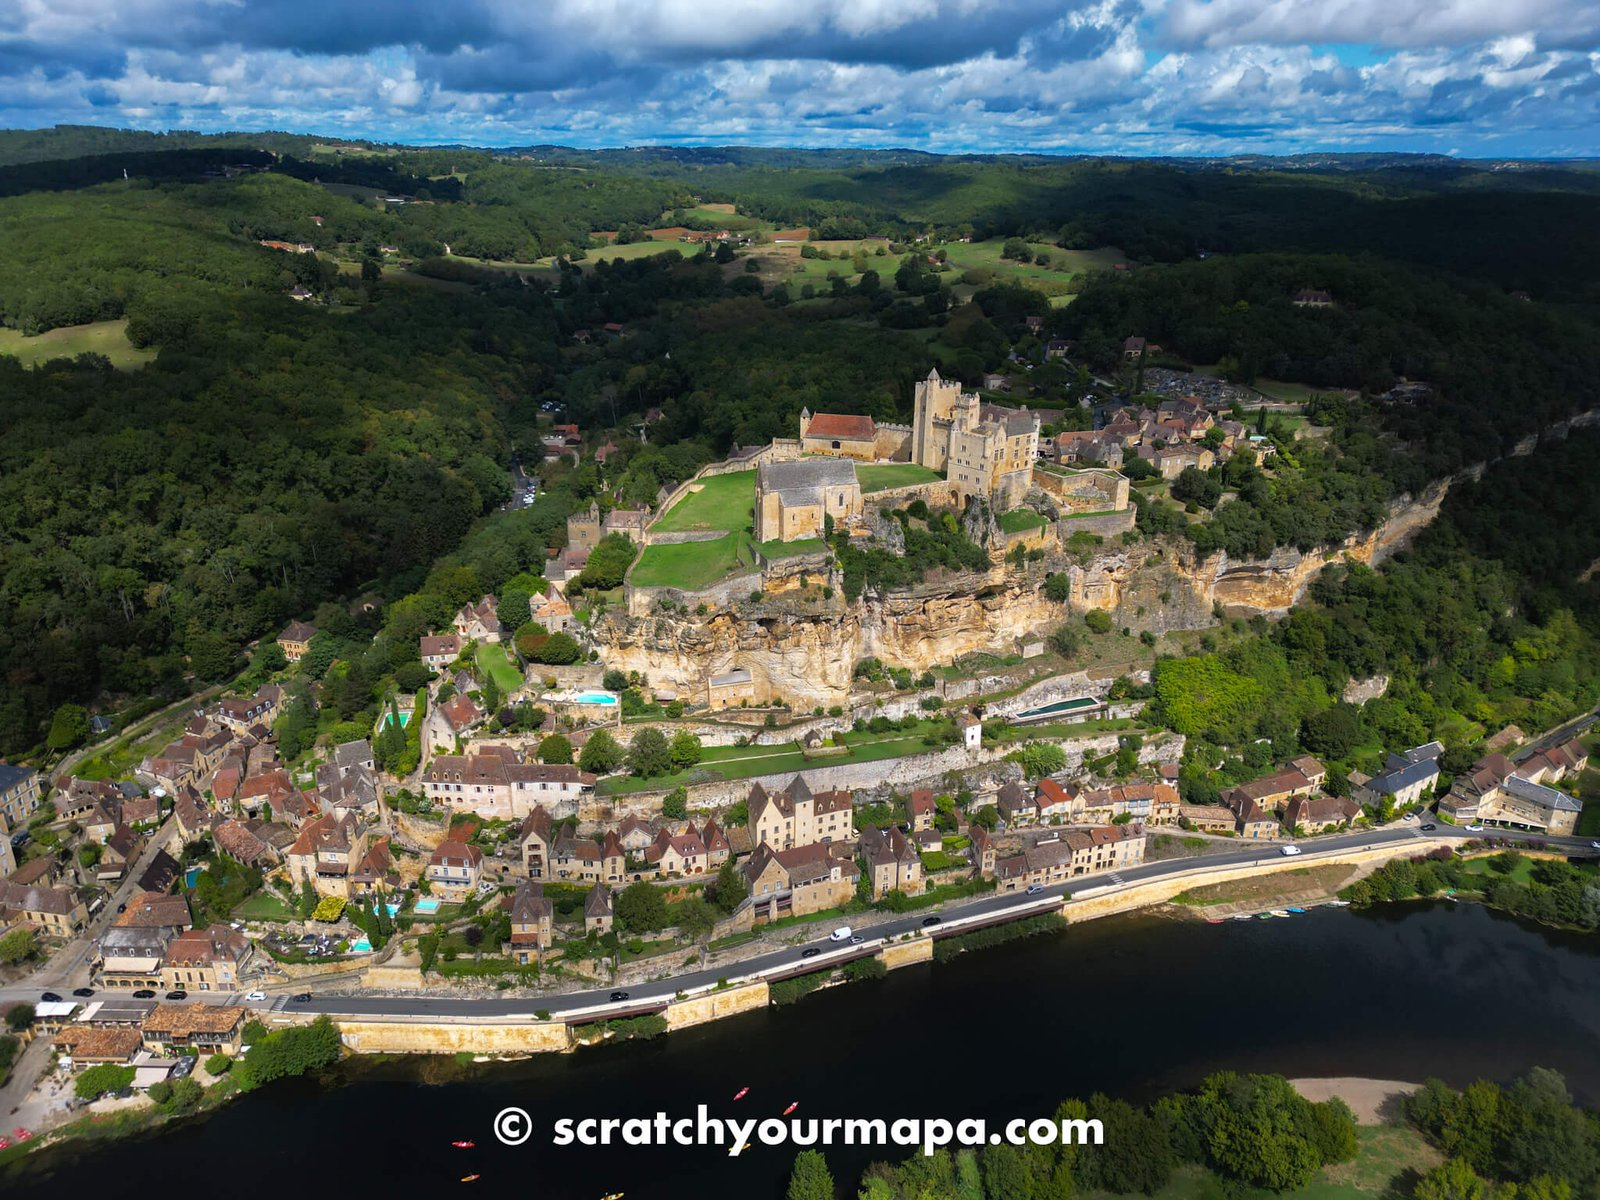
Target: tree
<point>685,750</point>
<point>218,1065</point>
<point>810,1179</point>
<point>1334,731</point>
<point>558,650</point>
<point>601,754</point>
<point>1098,620</point>
<point>555,750</point>
<point>19,1017</point>
<point>1198,487</point>
<point>186,1094</point>
<point>96,1081</point>
<point>1451,1180</point>
<point>17,946</point>
<point>675,804</point>
<point>641,908</point>
<point>648,754</point>
<point>293,1051</point>
<point>728,889</point>
<point>696,917</point>
<point>68,727</point>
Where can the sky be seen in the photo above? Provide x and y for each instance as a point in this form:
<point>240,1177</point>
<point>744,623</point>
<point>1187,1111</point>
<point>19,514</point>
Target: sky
<point>1477,78</point>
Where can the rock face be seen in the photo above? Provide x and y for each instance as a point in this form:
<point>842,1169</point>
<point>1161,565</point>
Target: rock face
<point>806,653</point>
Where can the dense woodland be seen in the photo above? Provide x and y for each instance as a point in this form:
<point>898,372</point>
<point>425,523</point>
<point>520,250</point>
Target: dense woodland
<point>281,460</point>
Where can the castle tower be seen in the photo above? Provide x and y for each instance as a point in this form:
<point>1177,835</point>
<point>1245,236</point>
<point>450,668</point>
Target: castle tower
<point>805,420</point>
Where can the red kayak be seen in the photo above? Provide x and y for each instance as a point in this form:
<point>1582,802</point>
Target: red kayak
<point>463,1145</point>
<point>791,1108</point>
<point>741,1093</point>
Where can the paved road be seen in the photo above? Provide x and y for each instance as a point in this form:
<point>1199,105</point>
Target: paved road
<point>652,996</point>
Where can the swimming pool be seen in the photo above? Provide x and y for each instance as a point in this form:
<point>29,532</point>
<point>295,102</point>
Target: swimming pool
<point>595,698</point>
<point>404,717</point>
<point>393,908</point>
<point>361,946</point>
<point>427,906</point>
<point>1060,706</point>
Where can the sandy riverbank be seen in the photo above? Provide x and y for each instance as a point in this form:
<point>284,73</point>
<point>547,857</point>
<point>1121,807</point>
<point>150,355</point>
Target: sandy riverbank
<point>1372,1100</point>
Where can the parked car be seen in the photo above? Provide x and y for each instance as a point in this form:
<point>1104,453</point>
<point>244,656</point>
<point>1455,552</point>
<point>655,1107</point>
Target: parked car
<point>856,939</point>
<point>185,1065</point>
<point>1409,817</point>
<point>50,998</point>
<point>810,952</point>
<point>301,997</point>
<point>1429,828</point>
<point>617,997</point>
<point>1289,851</point>
<point>122,908</point>
<point>85,992</point>
<point>1594,845</point>
<point>1034,889</point>
<point>1473,828</point>
<point>932,920</point>
<point>177,994</point>
<point>256,997</point>
<point>144,994</point>
<point>841,934</point>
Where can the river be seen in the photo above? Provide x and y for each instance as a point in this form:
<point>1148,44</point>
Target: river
<point>1131,1006</point>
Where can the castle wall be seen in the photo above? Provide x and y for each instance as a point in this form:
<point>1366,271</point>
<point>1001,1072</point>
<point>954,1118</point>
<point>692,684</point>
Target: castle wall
<point>893,443</point>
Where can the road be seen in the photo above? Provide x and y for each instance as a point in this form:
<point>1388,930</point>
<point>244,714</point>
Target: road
<point>652,996</point>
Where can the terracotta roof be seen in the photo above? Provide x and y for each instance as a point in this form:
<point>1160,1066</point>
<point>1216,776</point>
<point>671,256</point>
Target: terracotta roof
<point>453,854</point>
<point>182,1021</point>
<point>114,1044</point>
<point>847,428</point>
<point>148,910</point>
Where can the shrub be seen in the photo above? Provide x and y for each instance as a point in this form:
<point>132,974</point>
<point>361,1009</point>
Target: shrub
<point>1097,620</point>
<point>218,1064</point>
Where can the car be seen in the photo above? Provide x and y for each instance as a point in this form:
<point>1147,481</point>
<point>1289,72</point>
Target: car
<point>301,997</point>
<point>932,920</point>
<point>144,994</point>
<point>1289,851</point>
<point>810,952</point>
<point>50,998</point>
<point>1429,827</point>
<point>177,994</point>
<point>256,997</point>
<point>84,992</point>
<point>1409,817</point>
<point>856,939</point>
<point>122,908</point>
<point>1473,828</point>
<point>185,1065</point>
<point>841,934</point>
<point>1594,845</point>
<point>617,997</point>
<point>1034,889</point>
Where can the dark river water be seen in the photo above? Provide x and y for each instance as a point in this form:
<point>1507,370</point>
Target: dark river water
<point>1131,1006</point>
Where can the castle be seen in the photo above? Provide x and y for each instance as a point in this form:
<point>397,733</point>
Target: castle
<point>981,449</point>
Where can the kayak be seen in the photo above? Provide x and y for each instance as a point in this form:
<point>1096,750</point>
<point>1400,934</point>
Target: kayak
<point>1294,910</point>
<point>468,1178</point>
<point>791,1108</point>
<point>741,1093</point>
<point>463,1145</point>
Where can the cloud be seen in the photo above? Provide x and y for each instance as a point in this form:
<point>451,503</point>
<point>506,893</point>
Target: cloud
<point>1117,76</point>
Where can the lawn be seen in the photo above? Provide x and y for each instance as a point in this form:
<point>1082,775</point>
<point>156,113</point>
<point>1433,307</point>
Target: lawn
<point>725,502</point>
<point>109,338</point>
<point>883,476</point>
<point>1267,889</point>
<point>1589,820</point>
<point>494,660</point>
<point>1051,279</point>
<point>790,549</point>
<point>265,906</point>
<point>692,565</point>
<point>1019,520</point>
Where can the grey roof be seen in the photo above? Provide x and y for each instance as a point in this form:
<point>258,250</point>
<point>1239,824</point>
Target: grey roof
<point>351,754</point>
<point>1403,776</point>
<point>11,776</point>
<point>1425,751</point>
<point>805,475</point>
<point>737,675</point>
<point>1547,797</point>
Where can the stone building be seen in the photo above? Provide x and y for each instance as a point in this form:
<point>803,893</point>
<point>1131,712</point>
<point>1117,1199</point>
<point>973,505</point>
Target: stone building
<point>983,449</point>
<point>794,498</point>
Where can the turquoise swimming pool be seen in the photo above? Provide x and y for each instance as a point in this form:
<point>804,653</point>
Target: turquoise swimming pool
<point>1056,709</point>
<point>428,905</point>
<point>404,717</point>
<point>361,946</point>
<point>596,698</point>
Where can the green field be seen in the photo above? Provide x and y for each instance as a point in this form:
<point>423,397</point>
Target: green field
<point>109,338</point>
<point>1020,519</point>
<point>497,664</point>
<point>883,476</point>
<point>1052,280</point>
<point>264,906</point>
<point>725,502</point>
<point>691,565</point>
<point>790,549</point>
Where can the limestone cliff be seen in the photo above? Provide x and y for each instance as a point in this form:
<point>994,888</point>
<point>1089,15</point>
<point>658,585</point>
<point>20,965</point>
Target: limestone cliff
<point>804,649</point>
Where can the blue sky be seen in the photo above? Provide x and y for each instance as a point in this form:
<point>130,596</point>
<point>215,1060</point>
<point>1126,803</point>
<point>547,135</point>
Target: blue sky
<point>1490,78</point>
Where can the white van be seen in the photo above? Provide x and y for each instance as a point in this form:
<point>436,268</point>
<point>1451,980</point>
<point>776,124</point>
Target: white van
<point>841,934</point>
<point>1289,851</point>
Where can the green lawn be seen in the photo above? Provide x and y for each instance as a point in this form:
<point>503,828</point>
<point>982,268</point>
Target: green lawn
<point>494,660</point>
<point>790,549</point>
<point>1018,520</point>
<point>1589,820</point>
<point>109,338</point>
<point>692,565</point>
<point>724,502</point>
<point>265,906</point>
<point>1051,279</point>
<point>883,476</point>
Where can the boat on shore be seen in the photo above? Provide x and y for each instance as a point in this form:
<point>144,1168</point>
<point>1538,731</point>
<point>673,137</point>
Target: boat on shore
<point>1294,910</point>
<point>1281,912</point>
<point>1243,917</point>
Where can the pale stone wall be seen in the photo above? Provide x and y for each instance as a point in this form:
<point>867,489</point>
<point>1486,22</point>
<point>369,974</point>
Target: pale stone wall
<point>715,1005</point>
<point>1106,524</point>
<point>448,1037</point>
<point>906,954</point>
